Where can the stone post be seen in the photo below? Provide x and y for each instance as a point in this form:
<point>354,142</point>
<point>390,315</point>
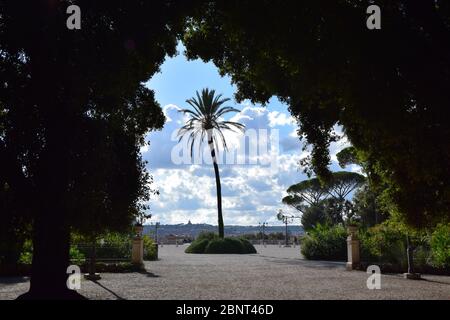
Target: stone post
<point>352,249</point>
<point>137,252</point>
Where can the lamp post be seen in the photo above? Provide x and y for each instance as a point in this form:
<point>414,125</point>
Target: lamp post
<point>286,219</point>
<point>263,226</point>
<point>410,255</point>
<point>156,232</point>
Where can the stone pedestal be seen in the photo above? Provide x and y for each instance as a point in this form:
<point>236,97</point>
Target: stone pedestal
<point>137,253</point>
<point>352,249</point>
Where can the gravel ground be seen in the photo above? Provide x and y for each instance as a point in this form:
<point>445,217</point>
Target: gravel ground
<point>273,273</point>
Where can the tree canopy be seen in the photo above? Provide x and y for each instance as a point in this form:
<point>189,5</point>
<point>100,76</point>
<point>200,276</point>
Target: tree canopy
<point>312,192</point>
<point>387,88</point>
<point>73,114</point>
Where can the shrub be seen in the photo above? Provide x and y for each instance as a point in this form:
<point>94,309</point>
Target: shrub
<point>26,256</point>
<point>384,243</point>
<point>76,255</point>
<point>440,246</point>
<point>27,252</point>
<point>150,248</point>
<point>215,245</point>
<point>325,243</point>
<point>207,235</point>
<point>248,247</point>
<point>197,246</point>
<point>226,245</point>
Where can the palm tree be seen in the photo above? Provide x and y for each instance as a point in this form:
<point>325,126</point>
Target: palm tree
<point>205,121</point>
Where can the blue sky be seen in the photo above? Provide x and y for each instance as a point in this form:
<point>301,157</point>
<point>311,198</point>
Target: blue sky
<point>252,192</point>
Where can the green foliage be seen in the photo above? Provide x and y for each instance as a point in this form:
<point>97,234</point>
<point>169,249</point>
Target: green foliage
<point>216,245</point>
<point>110,245</point>
<point>76,256</point>
<point>367,206</point>
<point>348,156</point>
<point>73,115</point>
<point>324,202</point>
<point>226,245</point>
<point>318,57</point>
<point>313,216</point>
<point>150,248</point>
<point>26,255</point>
<point>440,245</point>
<point>207,235</point>
<point>325,243</point>
<point>247,246</point>
<point>384,243</point>
<point>197,246</point>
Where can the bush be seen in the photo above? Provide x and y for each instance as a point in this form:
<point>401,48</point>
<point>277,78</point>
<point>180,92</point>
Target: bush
<point>325,243</point>
<point>440,246</point>
<point>384,243</point>
<point>248,247</point>
<point>76,255</point>
<point>150,248</point>
<point>212,244</point>
<point>207,235</point>
<point>226,245</point>
<point>197,246</point>
<point>26,255</point>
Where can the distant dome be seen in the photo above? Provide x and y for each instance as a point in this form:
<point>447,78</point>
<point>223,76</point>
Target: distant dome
<point>189,222</point>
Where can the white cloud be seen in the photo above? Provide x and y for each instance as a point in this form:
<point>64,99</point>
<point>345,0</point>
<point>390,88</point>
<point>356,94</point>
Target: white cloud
<point>280,119</point>
<point>250,193</point>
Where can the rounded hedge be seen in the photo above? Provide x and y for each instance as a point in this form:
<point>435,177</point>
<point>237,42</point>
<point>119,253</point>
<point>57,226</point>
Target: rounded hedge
<point>215,245</point>
<point>197,246</point>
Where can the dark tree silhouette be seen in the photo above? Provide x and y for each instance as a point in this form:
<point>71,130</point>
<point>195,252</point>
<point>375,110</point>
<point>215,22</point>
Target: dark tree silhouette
<point>73,114</point>
<point>388,88</point>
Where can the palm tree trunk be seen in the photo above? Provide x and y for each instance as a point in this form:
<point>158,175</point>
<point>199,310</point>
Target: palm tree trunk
<point>219,189</point>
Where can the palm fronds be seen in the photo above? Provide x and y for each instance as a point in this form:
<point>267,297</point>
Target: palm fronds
<point>207,114</point>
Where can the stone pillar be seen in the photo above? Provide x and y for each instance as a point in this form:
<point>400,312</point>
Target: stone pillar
<point>352,249</point>
<point>137,253</point>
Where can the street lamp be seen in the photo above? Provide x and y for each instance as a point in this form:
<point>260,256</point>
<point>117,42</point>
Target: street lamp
<point>156,232</point>
<point>263,225</point>
<point>286,219</point>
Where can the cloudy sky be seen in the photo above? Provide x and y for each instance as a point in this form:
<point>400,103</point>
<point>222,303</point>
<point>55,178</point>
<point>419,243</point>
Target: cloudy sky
<point>260,166</point>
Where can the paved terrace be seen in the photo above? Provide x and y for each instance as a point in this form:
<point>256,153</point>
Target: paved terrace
<point>273,273</point>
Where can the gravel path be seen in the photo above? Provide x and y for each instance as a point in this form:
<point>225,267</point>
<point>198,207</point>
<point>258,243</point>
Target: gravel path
<point>273,273</point>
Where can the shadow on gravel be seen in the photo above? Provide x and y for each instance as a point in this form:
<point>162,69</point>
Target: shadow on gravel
<point>109,290</point>
<point>148,274</point>
<point>306,263</point>
<point>435,281</point>
<point>13,280</point>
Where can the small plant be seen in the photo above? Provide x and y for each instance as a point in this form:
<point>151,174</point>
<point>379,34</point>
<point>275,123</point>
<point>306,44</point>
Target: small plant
<point>440,246</point>
<point>150,248</point>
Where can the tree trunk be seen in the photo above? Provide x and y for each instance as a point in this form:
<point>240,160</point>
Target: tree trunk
<point>51,244</point>
<point>218,187</point>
